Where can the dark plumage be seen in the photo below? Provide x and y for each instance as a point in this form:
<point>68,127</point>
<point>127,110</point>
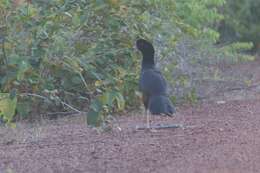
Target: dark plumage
<point>152,83</point>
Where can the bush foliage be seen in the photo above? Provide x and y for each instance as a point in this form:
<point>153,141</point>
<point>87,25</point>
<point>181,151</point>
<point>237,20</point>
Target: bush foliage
<point>241,21</point>
<point>62,55</point>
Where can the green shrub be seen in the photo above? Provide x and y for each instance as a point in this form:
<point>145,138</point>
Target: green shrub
<point>241,21</point>
<point>64,54</point>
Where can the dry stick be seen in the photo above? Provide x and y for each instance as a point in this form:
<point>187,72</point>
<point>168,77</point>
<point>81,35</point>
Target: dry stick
<point>62,113</point>
<point>84,81</point>
<point>160,126</point>
<point>69,106</point>
<point>45,98</point>
<point>255,85</point>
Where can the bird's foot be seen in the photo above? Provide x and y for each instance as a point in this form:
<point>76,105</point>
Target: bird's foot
<point>150,129</point>
<point>153,130</point>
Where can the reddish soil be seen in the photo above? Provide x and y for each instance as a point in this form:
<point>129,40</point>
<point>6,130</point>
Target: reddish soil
<point>222,137</point>
<point>217,138</point>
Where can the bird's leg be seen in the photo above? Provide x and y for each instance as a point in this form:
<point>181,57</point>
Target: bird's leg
<point>147,119</point>
<point>151,129</point>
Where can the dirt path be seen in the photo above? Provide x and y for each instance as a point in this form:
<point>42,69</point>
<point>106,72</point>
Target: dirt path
<point>221,138</point>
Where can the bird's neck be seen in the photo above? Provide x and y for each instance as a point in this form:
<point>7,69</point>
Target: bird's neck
<point>148,61</point>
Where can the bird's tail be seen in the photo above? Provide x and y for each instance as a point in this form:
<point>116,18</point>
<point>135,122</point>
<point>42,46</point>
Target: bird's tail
<point>161,104</point>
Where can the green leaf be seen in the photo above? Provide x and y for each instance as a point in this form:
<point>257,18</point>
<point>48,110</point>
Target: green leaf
<point>105,99</point>
<point>120,101</point>
<point>117,98</point>
<point>76,20</point>
<point>94,118</point>
<point>7,107</point>
<point>96,105</point>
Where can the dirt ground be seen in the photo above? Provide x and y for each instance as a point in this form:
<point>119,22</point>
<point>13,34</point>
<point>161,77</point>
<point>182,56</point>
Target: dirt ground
<point>217,137</point>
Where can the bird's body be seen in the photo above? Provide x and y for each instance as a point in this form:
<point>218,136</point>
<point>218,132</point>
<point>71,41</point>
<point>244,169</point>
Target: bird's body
<point>154,89</point>
<point>152,83</point>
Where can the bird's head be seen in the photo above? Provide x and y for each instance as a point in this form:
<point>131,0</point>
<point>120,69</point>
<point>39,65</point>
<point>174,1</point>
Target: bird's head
<point>145,47</point>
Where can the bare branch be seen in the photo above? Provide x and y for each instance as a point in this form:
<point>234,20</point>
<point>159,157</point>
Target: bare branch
<point>160,126</point>
<point>46,98</point>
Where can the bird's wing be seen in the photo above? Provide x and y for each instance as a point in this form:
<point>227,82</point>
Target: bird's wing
<point>152,82</point>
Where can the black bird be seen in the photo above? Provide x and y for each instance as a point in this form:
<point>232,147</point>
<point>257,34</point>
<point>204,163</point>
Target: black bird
<point>152,84</point>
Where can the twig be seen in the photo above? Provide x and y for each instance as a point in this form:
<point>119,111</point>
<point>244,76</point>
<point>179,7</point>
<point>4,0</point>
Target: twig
<point>80,75</point>
<point>255,85</point>
<point>72,94</point>
<point>160,126</point>
<point>69,106</point>
<point>45,98</point>
<point>84,82</point>
<point>61,113</point>
<point>34,95</point>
